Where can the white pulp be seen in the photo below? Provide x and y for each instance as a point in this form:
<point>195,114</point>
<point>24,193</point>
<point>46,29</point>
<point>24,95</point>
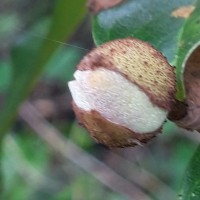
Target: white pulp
<point>116,99</point>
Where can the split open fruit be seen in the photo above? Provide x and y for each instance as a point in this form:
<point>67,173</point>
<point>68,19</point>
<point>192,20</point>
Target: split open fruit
<point>122,92</point>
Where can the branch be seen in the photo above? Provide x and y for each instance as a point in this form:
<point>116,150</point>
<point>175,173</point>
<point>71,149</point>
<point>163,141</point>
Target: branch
<point>68,150</point>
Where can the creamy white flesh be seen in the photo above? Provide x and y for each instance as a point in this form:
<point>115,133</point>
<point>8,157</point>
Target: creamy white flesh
<point>116,99</point>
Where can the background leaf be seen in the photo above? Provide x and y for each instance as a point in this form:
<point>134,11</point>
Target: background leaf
<point>191,183</point>
<point>189,40</point>
<point>152,21</point>
<point>68,58</point>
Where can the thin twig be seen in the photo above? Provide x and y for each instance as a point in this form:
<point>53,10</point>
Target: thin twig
<point>69,150</point>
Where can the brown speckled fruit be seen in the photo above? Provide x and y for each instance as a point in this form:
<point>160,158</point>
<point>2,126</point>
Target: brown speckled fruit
<point>123,92</point>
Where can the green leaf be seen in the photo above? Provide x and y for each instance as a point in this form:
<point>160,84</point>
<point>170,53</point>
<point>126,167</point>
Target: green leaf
<point>68,59</point>
<point>30,56</point>
<point>191,183</point>
<point>189,40</point>
<point>152,21</point>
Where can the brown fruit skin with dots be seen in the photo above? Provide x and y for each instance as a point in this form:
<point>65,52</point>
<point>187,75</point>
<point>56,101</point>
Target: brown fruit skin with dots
<point>108,133</point>
<point>138,62</point>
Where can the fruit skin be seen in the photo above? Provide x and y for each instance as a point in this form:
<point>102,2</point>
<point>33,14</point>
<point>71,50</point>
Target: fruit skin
<point>138,62</point>
<point>108,133</point>
<point>143,66</point>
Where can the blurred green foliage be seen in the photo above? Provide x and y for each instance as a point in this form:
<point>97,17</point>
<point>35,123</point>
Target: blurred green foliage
<point>29,57</point>
<point>35,63</point>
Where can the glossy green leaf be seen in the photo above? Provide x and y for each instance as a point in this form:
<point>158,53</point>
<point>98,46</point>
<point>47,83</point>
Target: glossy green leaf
<point>31,55</point>
<point>152,21</point>
<point>191,183</point>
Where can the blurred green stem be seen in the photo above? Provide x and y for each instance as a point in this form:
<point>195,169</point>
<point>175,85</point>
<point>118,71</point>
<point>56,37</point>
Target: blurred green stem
<point>67,16</point>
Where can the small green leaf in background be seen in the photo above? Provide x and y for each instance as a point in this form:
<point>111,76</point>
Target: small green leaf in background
<point>30,56</point>
<point>191,182</point>
<point>152,21</point>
